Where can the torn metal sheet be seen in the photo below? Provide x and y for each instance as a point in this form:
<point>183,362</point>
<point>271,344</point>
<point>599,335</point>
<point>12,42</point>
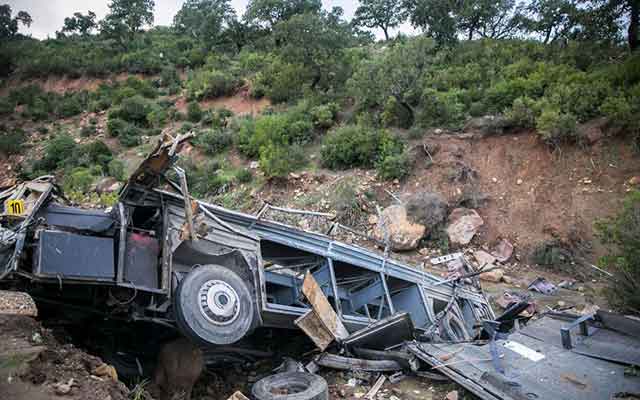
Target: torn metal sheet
<point>536,367</point>
<point>334,361</point>
<point>384,333</point>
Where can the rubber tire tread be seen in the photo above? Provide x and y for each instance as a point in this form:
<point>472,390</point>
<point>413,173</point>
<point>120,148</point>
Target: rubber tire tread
<point>316,387</point>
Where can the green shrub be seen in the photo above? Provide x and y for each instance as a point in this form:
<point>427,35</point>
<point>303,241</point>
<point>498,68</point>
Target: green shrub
<point>69,106</point>
<point>623,110</point>
<point>324,115</point>
<point>555,127</point>
<point>244,176</point>
<point>219,118</point>
<point>38,110</point>
<point>205,84</point>
<point>169,77</point>
<point>11,141</point>
<point>277,160</point>
<point>194,112</point>
<point>157,117</point>
<point>130,136</point>
<point>622,235</point>
<point>116,126</point>
<point>393,114</point>
<point>95,153</point>
<point>116,169</point>
<point>214,141</point>
<point>394,166</point>
<point>6,106</point>
<point>442,108</point>
<point>357,146</point>
<point>244,137</point>
<point>133,110</point>
<point>79,180</point>
<point>60,150</point>
<point>523,113</point>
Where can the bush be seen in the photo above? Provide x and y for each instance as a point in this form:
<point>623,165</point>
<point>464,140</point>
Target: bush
<point>244,176</point>
<point>60,150</point>
<point>133,110</point>
<point>130,137</point>
<point>219,118</point>
<point>95,153</point>
<point>214,141</point>
<point>6,106</point>
<point>205,84</point>
<point>116,126</point>
<point>79,180</point>
<point>523,113</point>
<point>11,141</point>
<point>357,146</point>
<point>116,169</point>
<point>556,127</point>
<point>394,166</point>
<point>276,160</point>
<point>324,116</point>
<point>69,106</point>
<point>622,235</point>
<point>194,112</point>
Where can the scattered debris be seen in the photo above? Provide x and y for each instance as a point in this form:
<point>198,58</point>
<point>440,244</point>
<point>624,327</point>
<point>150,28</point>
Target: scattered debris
<point>63,388</point>
<point>542,285</point>
<point>291,386</point>
<point>371,394</point>
<point>495,275</point>
<point>238,396</point>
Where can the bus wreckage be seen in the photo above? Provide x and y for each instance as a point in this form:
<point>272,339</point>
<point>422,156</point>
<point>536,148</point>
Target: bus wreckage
<point>216,275</point>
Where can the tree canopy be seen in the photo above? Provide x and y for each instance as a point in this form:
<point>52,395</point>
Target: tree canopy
<point>9,25</point>
<point>383,14</point>
<point>204,19</point>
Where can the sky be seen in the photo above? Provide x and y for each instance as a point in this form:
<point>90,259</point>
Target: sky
<point>48,15</point>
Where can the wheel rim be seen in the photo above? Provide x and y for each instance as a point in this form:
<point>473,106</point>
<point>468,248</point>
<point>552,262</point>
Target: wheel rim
<point>219,302</point>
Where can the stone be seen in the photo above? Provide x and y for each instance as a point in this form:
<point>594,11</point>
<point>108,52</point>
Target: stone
<point>503,250</point>
<point>634,181</point>
<point>463,225</point>
<point>494,275</point>
<point>254,164</point>
<point>483,258</point>
<point>373,219</point>
<point>453,395</point>
<point>519,182</point>
<point>108,185</point>
<point>403,234</point>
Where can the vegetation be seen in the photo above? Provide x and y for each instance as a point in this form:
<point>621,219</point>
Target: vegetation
<point>548,65</point>
<point>622,233</point>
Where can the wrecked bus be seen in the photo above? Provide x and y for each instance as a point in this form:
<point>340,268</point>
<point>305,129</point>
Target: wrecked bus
<point>159,255</point>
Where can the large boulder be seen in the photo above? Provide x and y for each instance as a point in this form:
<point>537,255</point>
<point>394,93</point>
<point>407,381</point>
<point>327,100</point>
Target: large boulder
<point>108,185</point>
<point>426,208</point>
<point>403,234</point>
<point>463,225</point>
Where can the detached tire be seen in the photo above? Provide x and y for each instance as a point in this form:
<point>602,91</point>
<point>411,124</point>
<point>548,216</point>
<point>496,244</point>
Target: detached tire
<point>213,305</point>
<point>291,386</point>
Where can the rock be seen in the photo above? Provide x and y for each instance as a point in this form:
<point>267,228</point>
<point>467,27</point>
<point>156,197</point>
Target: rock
<point>426,208</point>
<point>634,181</point>
<point>463,225</point>
<point>483,258</point>
<point>453,395</point>
<point>403,234</point>
<point>519,182</point>
<point>108,185</point>
<point>254,164</point>
<point>503,250</point>
<point>494,275</point>
<point>373,219</point>
<point>106,370</point>
<point>507,279</point>
<point>62,388</point>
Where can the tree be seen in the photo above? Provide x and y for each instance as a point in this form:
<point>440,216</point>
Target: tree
<point>435,18</point>
<point>204,19</point>
<point>551,19</point>
<point>269,12</point>
<point>126,18</point>
<point>488,18</point>
<point>316,41</point>
<point>383,14</point>
<point>8,25</point>
<point>80,24</point>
